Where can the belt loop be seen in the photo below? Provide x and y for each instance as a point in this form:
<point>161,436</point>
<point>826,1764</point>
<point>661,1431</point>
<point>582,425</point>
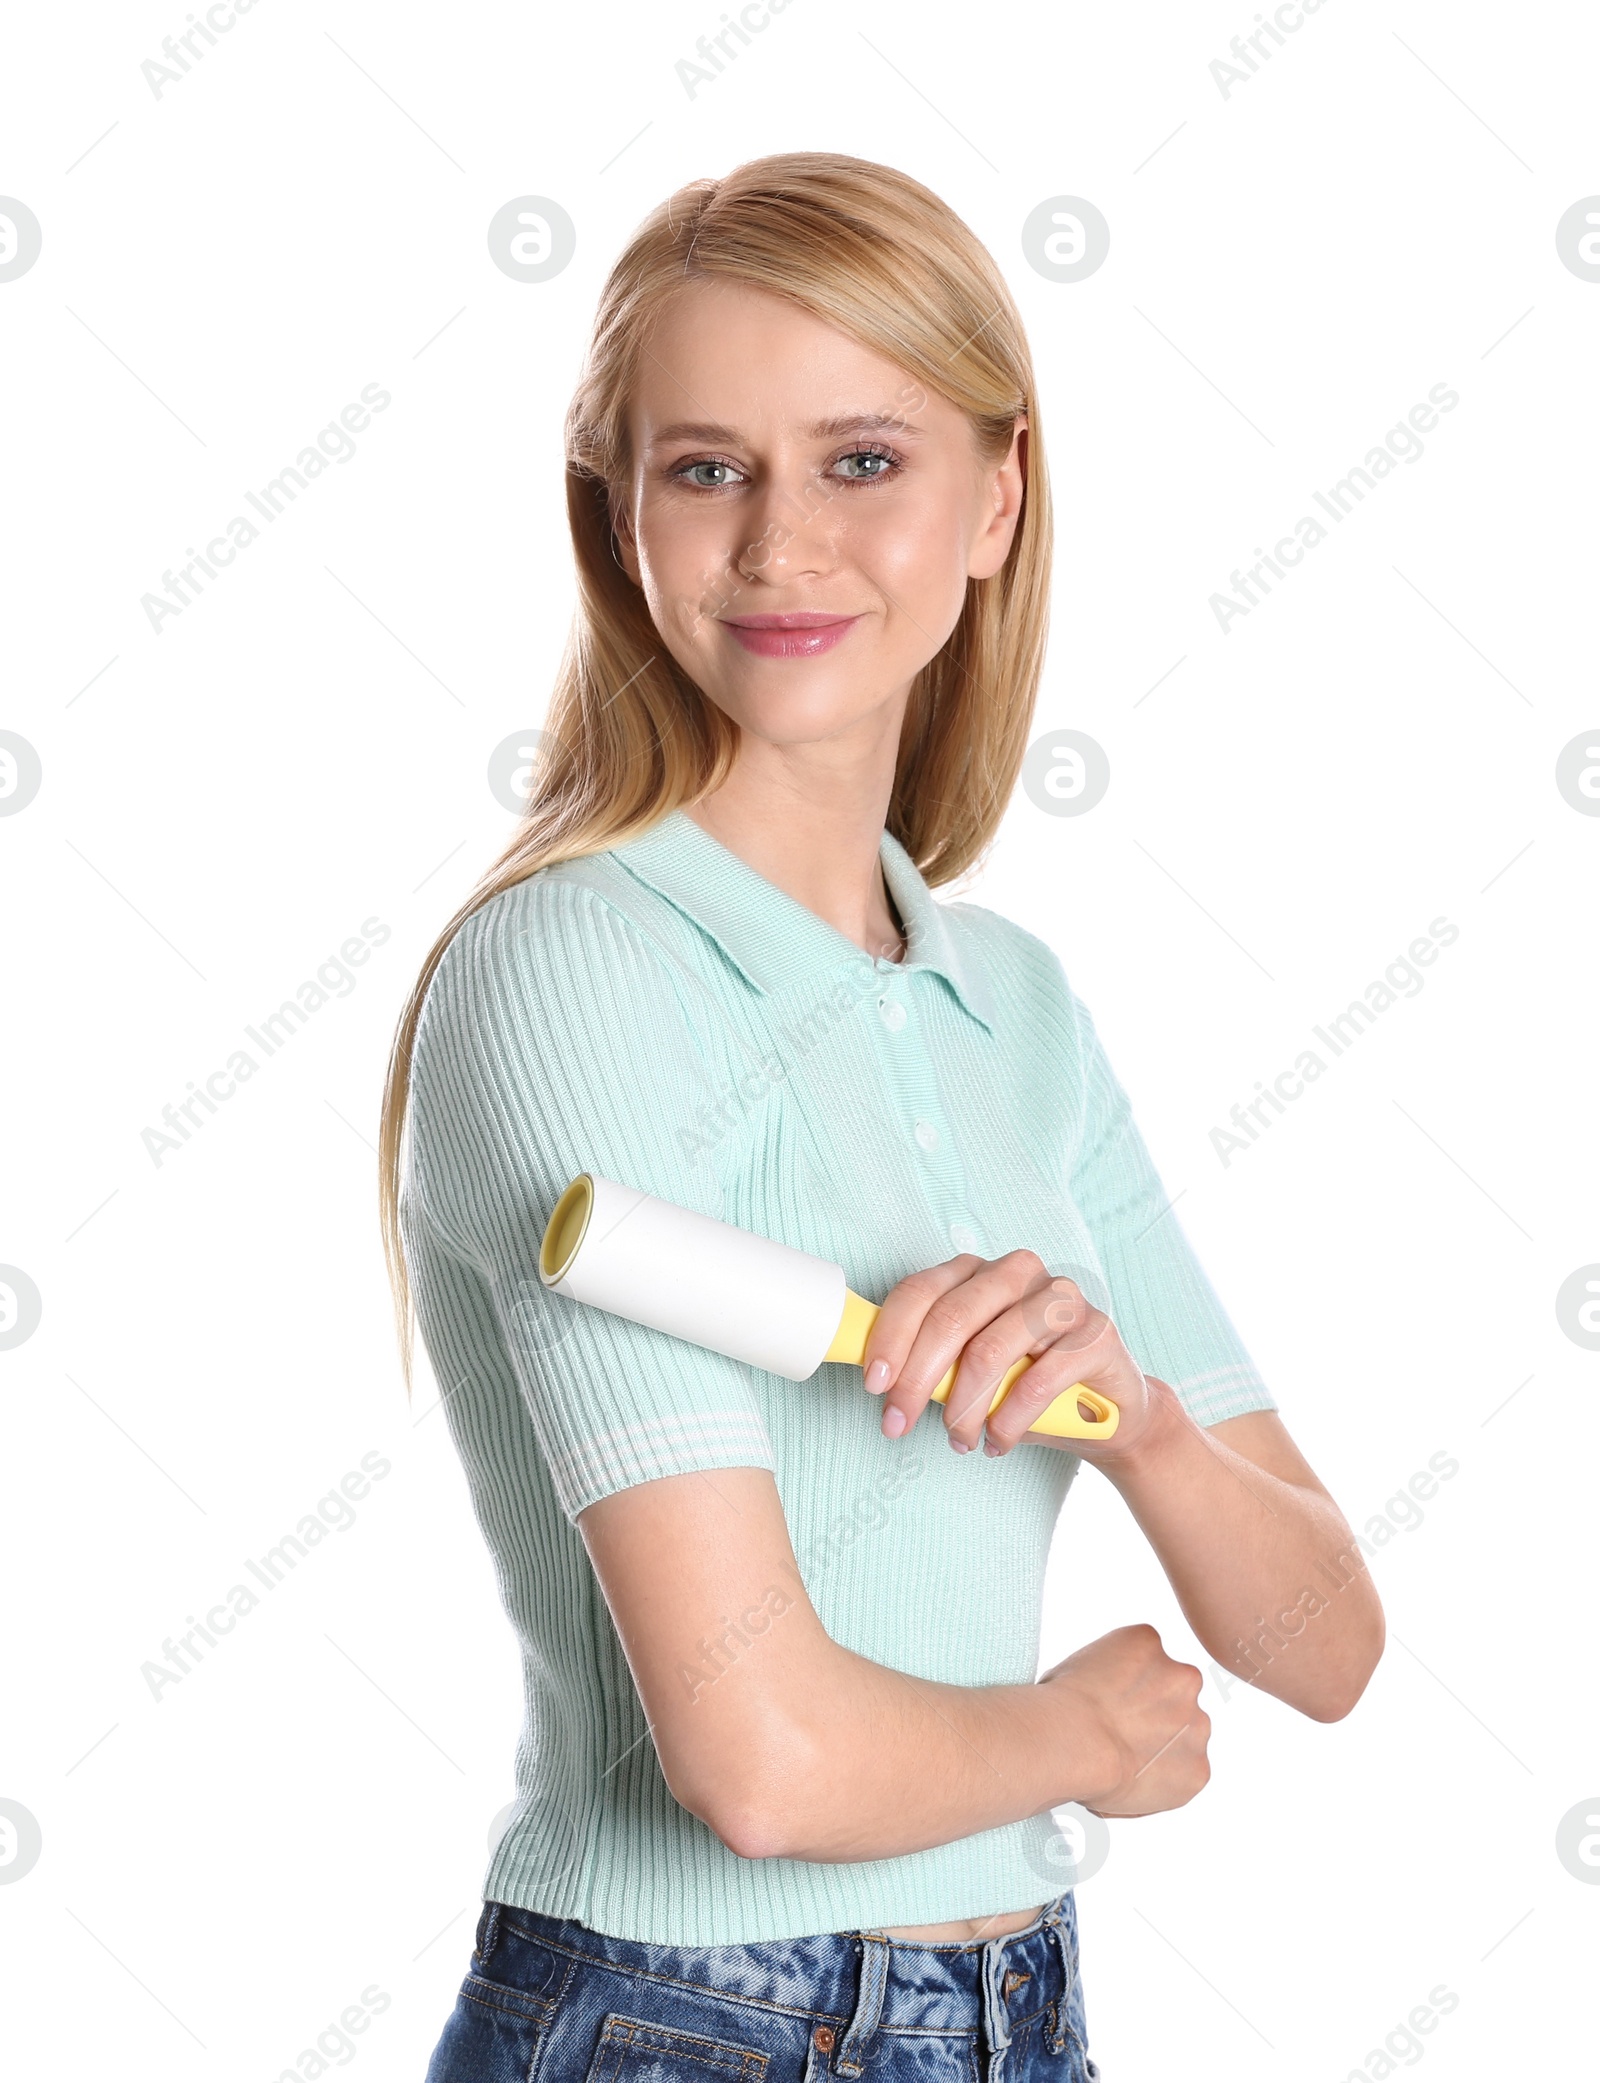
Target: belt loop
<point>1069,1971</point>
<point>488,1932</point>
<point>869,2003</point>
<point>996,2019</point>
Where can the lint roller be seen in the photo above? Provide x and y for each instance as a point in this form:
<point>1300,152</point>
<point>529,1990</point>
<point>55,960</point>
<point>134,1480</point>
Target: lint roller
<point>709,1282</point>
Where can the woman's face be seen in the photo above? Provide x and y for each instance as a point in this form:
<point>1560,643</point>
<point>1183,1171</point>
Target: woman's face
<point>803,517</point>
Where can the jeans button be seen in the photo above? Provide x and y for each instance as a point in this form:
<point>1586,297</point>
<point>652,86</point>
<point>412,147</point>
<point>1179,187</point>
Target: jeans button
<point>822,2038</point>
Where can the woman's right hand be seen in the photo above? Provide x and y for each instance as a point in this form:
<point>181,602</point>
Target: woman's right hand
<point>1136,1712</point>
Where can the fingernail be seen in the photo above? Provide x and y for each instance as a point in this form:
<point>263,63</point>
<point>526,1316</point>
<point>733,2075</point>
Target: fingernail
<point>960,1446</point>
<point>989,1447</point>
<point>877,1376</point>
<point>894,1422</point>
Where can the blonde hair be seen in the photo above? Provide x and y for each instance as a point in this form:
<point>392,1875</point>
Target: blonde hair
<point>628,738</point>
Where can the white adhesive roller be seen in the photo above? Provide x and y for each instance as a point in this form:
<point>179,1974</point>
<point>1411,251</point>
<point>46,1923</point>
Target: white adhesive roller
<point>713,1284</point>
<point>693,1277</point>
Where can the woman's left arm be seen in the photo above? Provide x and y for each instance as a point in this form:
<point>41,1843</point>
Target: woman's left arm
<point>1263,1563</point>
<point>1262,1560</point>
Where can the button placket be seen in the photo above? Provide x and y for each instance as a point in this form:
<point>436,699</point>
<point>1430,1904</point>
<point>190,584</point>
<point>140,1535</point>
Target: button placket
<point>915,1087</point>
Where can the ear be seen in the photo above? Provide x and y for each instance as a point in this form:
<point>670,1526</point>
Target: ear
<point>1002,490</point>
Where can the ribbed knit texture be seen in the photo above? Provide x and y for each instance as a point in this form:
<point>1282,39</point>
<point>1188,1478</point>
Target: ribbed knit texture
<point>665,1016</point>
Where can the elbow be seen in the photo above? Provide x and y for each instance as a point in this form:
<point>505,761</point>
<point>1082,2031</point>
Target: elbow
<point>1341,1690</point>
<point>752,1830</point>
<point>758,1806</point>
<point>1332,1706</point>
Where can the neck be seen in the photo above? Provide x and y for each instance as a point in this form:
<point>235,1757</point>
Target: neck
<point>825,853</point>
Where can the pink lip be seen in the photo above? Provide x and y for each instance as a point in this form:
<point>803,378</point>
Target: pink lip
<point>790,636</point>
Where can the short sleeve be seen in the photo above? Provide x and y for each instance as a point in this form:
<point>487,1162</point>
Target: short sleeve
<point>553,1041</point>
<point>1162,1303</point>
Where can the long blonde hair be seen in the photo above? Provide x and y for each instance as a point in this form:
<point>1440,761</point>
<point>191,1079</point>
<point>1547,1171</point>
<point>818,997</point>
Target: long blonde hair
<point>628,738</point>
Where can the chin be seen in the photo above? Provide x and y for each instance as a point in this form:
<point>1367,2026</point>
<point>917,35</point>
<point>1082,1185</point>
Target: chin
<point>792,704</point>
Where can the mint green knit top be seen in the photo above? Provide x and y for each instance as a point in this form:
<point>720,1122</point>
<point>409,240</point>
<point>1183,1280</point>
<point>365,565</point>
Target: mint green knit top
<point>663,1015</point>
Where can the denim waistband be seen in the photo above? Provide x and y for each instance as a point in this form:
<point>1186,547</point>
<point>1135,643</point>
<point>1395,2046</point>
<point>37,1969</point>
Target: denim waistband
<point>862,1982</point>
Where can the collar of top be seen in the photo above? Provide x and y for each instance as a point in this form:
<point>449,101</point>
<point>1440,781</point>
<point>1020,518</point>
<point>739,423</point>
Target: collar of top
<point>773,939</point>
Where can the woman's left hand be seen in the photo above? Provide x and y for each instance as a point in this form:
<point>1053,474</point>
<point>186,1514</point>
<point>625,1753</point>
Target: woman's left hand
<point>992,1313</point>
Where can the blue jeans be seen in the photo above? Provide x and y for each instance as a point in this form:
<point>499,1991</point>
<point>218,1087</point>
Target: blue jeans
<point>547,2000</point>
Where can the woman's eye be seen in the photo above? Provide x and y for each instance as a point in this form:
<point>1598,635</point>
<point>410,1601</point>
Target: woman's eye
<point>860,466</point>
<point>885,464</point>
<point>709,484</point>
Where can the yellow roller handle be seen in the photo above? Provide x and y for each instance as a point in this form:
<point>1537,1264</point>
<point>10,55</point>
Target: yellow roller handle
<point>1062,1419</point>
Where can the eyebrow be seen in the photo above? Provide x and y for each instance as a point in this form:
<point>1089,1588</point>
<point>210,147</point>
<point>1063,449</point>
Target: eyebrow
<point>822,430</point>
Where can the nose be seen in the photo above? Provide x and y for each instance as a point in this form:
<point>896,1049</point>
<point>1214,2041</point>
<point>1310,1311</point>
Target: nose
<point>788,528</point>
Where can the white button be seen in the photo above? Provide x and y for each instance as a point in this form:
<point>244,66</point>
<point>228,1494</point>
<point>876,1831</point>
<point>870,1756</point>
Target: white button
<point>892,1015</point>
<point>927,1135</point>
<point>963,1238</point>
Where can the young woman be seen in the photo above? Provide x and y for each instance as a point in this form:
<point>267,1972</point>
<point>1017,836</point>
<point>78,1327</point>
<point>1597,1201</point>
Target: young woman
<point>784,1783</point>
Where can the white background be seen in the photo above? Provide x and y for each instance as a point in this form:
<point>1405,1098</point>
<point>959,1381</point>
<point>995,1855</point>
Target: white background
<point>1292,267</point>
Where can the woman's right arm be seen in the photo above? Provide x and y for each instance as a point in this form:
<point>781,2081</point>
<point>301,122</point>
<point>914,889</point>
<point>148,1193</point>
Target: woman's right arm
<point>788,1745</point>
